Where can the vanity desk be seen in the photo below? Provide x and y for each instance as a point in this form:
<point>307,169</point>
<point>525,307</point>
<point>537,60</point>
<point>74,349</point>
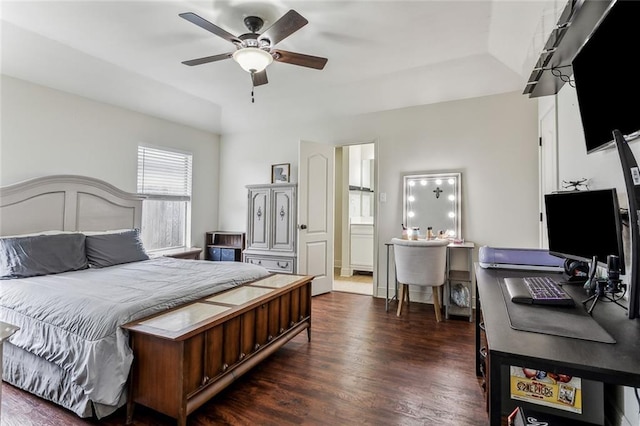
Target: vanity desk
<point>457,277</point>
<point>431,202</point>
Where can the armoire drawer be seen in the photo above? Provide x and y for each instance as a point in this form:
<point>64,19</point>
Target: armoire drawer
<point>284,265</point>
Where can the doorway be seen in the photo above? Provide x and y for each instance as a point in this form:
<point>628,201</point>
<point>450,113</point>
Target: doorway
<point>355,205</point>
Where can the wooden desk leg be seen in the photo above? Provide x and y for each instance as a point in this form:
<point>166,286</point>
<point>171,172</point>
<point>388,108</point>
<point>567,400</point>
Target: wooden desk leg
<point>478,337</point>
<point>386,300</point>
<point>494,390</point>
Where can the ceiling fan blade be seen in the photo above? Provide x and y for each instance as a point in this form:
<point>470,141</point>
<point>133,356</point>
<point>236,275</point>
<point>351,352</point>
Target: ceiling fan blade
<point>208,59</point>
<point>299,59</point>
<point>259,78</point>
<point>289,23</point>
<point>203,23</point>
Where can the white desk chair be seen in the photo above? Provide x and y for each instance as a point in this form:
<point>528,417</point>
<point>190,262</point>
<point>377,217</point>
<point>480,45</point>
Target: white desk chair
<point>423,263</point>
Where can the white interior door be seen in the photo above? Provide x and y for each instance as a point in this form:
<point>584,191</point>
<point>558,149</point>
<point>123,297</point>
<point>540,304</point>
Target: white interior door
<point>548,165</point>
<point>315,214</point>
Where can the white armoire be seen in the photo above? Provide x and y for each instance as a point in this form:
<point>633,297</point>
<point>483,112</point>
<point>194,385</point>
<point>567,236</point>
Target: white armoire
<point>271,227</point>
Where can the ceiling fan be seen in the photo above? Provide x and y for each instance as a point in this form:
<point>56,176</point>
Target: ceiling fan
<point>254,51</point>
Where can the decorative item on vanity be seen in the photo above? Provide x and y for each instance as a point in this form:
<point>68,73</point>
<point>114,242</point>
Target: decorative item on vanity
<point>430,235</point>
<point>410,233</point>
<point>415,231</point>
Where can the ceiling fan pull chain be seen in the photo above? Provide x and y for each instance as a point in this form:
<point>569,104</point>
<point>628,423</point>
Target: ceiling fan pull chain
<point>253,86</point>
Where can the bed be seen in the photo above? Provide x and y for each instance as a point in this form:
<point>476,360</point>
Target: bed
<point>70,348</point>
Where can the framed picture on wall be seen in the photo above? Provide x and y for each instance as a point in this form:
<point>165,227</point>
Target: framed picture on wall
<point>280,173</point>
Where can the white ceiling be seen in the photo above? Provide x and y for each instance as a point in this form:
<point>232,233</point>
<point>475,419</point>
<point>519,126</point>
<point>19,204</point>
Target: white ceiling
<point>382,55</point>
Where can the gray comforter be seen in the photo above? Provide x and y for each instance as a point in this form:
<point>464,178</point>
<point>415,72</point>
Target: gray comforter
<point>72,319</point>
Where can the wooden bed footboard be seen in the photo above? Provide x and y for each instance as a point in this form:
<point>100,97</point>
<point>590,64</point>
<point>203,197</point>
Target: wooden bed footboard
<point>185,356</point>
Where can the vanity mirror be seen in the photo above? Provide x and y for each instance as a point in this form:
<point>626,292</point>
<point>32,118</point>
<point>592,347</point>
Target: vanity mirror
<point>432,200</point>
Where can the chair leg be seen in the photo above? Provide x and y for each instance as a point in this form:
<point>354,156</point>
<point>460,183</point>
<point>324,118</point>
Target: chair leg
<point>406,292</point>
<point>436,303</point>
<point>400,298</point>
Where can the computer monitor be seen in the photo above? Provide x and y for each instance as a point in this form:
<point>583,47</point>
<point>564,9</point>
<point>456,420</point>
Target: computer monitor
<point>584,224</point>
<point>605,77</point>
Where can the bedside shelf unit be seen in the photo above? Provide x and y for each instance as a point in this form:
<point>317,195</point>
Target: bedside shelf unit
<point>192,253</point>
<point>459,287</point>
<point>225,246</point>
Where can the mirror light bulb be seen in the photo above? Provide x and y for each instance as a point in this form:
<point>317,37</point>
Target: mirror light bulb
<point>451,181</point>
<point>412,183</point>
<point>411,214</point>
<point>452,214</point>
<point>423,182</point>
<point>438,181</point>
<point>452,197</point>
<point>411,198</point>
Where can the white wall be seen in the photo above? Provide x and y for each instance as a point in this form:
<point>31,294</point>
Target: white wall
<point>603,170</point>
<point>492,140</point>
<point>45,131</point>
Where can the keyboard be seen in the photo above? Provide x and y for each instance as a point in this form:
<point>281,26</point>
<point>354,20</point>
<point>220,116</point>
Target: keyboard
<point>537,290</point>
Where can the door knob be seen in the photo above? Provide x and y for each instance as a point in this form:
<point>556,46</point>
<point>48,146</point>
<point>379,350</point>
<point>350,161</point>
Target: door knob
<point>303,226</point>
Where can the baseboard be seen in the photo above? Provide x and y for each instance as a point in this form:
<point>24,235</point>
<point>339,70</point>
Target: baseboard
<point>346,272</point>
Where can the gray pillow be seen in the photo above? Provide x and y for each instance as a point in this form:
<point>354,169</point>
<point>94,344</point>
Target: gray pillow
<point>110,249</point>
<point>22,257</point>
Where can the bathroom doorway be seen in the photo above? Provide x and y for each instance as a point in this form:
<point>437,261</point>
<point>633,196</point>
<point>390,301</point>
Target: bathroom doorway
<point>355,205</point>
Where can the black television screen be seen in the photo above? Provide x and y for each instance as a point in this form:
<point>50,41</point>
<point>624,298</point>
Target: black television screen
<point>605,73</point>
<point>583,224</point>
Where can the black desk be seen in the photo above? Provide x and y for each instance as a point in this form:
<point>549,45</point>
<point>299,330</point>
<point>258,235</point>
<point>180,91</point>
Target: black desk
<point>617,363</point>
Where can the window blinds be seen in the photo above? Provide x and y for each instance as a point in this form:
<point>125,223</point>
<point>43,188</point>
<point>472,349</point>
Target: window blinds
<point>164,174</point>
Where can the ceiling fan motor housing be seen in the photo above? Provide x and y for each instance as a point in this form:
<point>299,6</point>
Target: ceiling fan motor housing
<point>253,23</point>
<point>251,40</point>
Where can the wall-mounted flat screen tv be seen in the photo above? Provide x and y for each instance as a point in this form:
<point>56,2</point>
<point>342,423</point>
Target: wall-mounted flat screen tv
<point>605,72</point>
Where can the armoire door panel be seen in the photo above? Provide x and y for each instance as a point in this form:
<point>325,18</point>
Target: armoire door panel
<point>283,229</point>
<point>258,223</point>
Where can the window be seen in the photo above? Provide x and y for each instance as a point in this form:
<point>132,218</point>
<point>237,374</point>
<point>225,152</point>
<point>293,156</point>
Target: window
<point>165,178</point>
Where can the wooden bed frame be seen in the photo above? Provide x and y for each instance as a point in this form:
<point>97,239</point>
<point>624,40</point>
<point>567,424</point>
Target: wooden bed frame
<point>186,356</point>
<point>67,203</point>
<point>205,356</point>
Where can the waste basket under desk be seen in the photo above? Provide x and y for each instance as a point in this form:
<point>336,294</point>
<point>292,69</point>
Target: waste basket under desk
<point>459,287</point>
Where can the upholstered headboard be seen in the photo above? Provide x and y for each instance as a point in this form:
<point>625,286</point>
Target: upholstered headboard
<point>67,203</point>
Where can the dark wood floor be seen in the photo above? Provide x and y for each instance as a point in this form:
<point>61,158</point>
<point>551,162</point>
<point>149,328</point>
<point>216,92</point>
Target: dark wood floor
<point>362,366</point>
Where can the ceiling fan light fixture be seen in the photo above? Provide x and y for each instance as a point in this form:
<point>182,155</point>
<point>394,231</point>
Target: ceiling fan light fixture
<point>252,59</point>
